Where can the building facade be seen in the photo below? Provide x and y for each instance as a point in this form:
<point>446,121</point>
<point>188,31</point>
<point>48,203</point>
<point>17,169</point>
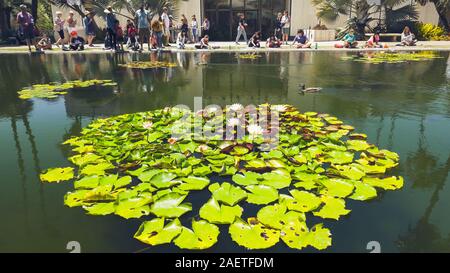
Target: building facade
<point>260,15</point>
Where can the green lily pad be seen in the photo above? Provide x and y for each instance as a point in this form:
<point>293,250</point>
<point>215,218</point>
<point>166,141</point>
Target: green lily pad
<point>363,191</point>
<point>357,145</point>
<point>164,180</point>
<point>194,183</point>
<point>75,199</point>
<point>57,175</point>
<point>227,194</point>
<point>96,169</point>
<point>202,236</point>
<point>336,187</point>
<point>277,179</point>
<point>101,208</point>
<point>253,235</point>
<point>389,183</point>
<point>248,178</point>
<point>339,157</point>
<point>154,232</point>
<point>261,194</point>
<point>134,207</point>
<point>276,216</point>
<point>301,201</point>
<point>170,206</point>
<point>215,213</point>
<point>334,208</point>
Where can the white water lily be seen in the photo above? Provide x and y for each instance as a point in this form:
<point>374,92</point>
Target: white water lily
<point>254,129</point>
<point>233,122</point>
<point>147,125</point>
<point>212,109</point>
<point>278,108</point>
<point>236,107</point>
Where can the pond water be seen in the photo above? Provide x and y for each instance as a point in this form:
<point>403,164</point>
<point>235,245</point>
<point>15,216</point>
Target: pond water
<point>401,107</point>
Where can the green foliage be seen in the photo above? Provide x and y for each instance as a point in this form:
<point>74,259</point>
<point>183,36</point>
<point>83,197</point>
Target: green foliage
<point>357,143</point>
<point>430,32</point>
<point>133,167</point>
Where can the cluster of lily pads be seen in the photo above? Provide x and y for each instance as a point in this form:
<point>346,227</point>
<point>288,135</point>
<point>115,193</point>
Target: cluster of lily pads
<point>148,65</point>
<point>54,89</point>
<point>251,56</point>
<point>133,166</point>
<point>393,57</point>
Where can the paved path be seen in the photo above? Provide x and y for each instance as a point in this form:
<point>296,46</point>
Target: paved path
<point>232,47</point>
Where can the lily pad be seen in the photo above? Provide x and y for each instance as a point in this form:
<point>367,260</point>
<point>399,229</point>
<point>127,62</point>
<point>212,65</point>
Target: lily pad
<point>202,236</point>
<point>170,206</point>
<point>194,183</point>
<point>215,213</point>
<point>154,232</point>
<point>389,183</point>
<point>276,216</point>
<point>227,193</point>
<point>261,194</point>
<point>253,235</point>
<point>334,208</point>
<point>57,175</point>
<point>248,178</point>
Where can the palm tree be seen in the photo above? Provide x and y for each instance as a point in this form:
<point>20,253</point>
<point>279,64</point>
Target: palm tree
<point>442,9</point>
<point>362,14</point>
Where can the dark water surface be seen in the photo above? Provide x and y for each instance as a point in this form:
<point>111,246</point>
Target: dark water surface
<point>402,107</point>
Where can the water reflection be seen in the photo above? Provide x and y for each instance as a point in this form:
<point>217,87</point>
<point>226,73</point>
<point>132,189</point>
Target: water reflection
<point>402,107</point>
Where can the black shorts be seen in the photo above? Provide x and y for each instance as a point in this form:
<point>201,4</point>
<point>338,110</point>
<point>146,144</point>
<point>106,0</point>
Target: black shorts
<point>61,34</point>
<point>28,32</point>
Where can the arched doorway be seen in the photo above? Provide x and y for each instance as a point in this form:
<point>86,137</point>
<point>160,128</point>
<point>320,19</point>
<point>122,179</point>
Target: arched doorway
<point>223,15</point>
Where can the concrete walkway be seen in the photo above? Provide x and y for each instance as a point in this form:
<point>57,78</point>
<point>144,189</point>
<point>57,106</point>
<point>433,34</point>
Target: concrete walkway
<point>232,47</point>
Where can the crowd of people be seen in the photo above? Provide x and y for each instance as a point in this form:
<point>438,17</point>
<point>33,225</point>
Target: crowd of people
<point>160,30</point>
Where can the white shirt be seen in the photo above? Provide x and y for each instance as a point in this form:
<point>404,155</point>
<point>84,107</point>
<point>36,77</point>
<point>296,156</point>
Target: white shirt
<point>194,25</point>
<point>286,21</point>
<point>166,20</point>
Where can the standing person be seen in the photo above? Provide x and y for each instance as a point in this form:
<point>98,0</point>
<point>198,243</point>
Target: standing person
<point>157,29</point>
<point>184,24</point>
<point>194,29</point>
<point>110,27</point>
<point>286,25</point>
<point>59,27</point>
<point>206,26</point>
<point>143,20</point>
<point>166,26</point>
<point>71,22</point>
<point>119,34</point>
<point>241,29</point>
<point>89,28</point>
<point>278,26</point>
<point>172,30</point>
<point>26,25</point>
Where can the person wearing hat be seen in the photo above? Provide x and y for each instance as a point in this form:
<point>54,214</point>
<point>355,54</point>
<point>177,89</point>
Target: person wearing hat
<point>76,42</point>
<point>111,27</point>
<point>59,28</point>
<point>71,22</point>
<point>166,24</point>
<point>89,27</point>
<point>26,25</point>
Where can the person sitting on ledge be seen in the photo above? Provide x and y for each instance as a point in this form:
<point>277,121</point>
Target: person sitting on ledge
<point>374,41</point>
<point>408,38</point>
<point>254,40</point>
<point>300,40</point>
<point>273,42</point>
<point>45,43</point>
<point>350,39</point>
<point>76,42</point>
<point>204,43</point>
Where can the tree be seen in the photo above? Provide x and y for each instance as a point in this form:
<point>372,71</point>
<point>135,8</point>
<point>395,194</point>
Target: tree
<point>442,9</point>
<point>363,15</point>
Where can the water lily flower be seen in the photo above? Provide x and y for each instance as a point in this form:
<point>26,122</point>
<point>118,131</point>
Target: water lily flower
<point>172,140</point>
<point>203,148</point>
<point>147,125</point>
<point>236,107</point>
<point>233,122</point>
<point>254,129</point>
<point>279,108</point>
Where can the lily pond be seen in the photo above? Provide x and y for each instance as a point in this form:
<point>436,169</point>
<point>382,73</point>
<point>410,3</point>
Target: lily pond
<point>364,159</point>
